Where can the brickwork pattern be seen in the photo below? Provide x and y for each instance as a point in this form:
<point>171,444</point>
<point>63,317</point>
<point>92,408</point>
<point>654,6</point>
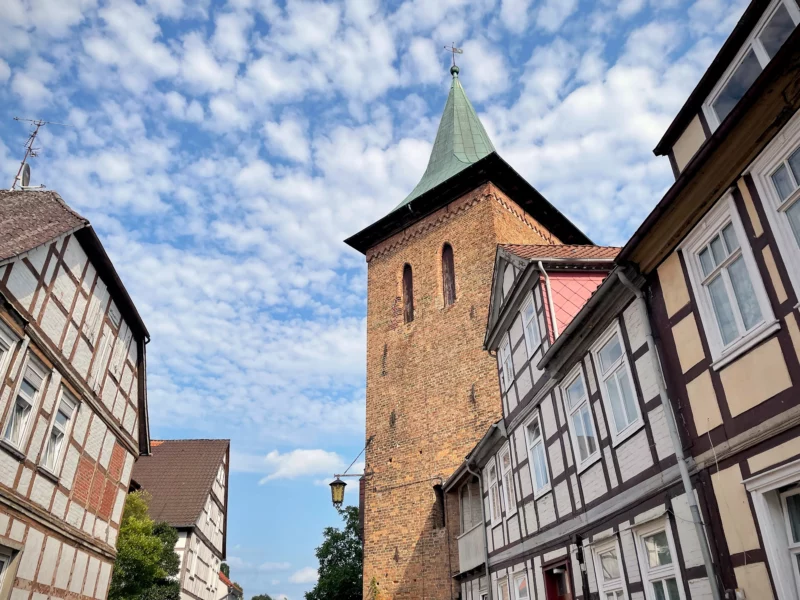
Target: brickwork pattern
<point>434,377</point>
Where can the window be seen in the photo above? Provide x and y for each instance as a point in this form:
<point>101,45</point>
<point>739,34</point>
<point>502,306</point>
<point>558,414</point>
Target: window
<point>732,302</point>
<point>661,577</point>
<point>536,455</point>
<point>609,573</point>
<point>503,592</point>
<point>59,431</point>
<point>579,417</point>
<point>7,342</point>
<point>790,502</point>
<point>774,28</point>
<point>494,495</point>
<point>616,384</point>
<point>530,325</point>
<point>408,294</point>
<point>448,275</point>
<point>27,397</point>
<point>506,363</point>
<point>509,495</point>
<point>521,591</point>
<point>470,505</point>
<point>195,551</point>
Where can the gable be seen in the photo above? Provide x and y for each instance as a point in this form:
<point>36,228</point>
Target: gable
<point>570,291</point>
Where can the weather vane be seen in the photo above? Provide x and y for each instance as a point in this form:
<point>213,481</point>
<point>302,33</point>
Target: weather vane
<point>452,48</point>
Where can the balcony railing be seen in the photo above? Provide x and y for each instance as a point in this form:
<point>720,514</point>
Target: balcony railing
<point>470,548</point>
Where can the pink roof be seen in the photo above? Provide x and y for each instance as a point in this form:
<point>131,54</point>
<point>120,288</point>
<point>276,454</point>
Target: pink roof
<point>570,292</point>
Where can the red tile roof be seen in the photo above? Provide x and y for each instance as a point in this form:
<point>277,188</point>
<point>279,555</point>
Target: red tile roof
<point>30,219</point>
<point>570,292</point>
<point>562,251</point>
<point>179,475</point>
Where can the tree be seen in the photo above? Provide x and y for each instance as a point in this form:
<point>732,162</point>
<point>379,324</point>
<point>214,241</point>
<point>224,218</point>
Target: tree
<point>146,558</point>
<point>340,561</point>
<point>226,570</point>
<point>262,597</point>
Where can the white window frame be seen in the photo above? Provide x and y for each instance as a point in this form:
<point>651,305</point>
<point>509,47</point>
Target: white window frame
<point>753,42</point>
<point>505,361</point>
<point>38,370</point>
<point>518,577</point>
<point>792,547</point>
<point>649,575</point>
<point>503,581</point>
<point>537,492</point>
<point>773,526</point>
<point>614,585</point>
<point>531,345</point>
<point>8,342</point>
<point>574,375</point>
<point>712,223</point>
<point>777,152</point>
<point>195,549</point>
<point>507,476</point>
<point>477,490</point>
<point>495,502</point>
<point>617,437</point>
<point>73,405</point>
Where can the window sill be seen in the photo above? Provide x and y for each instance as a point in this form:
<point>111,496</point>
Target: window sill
<point>626,433</point>
<point>543,491</point>
<point>468,531</point>
<point>589,462</point>
<point>12,450</point>
<point>47,473</point>
<point>756,336</point>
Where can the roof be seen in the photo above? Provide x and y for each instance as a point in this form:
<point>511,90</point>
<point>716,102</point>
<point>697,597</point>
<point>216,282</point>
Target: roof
<point>178,475</point>
<point>227,581</point>
<point>460,141</point>
<point>30,219</point>
<point>726,54</point>
<point>562,251</point>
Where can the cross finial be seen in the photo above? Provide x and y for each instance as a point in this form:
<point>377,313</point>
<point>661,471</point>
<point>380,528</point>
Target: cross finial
<point>452,48</point>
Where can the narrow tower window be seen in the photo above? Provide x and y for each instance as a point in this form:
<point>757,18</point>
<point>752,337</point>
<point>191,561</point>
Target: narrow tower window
<point>408,294</point>
<point>448,275</point>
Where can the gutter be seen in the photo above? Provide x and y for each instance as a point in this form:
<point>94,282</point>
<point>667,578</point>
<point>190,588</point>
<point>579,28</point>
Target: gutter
<point>485,541</point>
<point>675,438</point>
<point>549,300</point>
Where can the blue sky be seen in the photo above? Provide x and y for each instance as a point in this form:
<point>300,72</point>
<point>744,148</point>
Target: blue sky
<point>224,149</point>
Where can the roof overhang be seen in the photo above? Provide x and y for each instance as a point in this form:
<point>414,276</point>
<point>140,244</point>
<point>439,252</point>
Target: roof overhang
<point>752,124</point>
<point>491,168</point>
<point>726,54</point>
<point>491,441</point>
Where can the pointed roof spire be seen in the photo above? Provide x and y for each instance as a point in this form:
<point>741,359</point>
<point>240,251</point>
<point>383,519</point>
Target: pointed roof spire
<point>460,141</point>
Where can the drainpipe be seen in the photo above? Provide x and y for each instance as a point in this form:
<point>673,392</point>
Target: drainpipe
<point>672,425</point>
<point>549,302</point>
<point>485,542</point>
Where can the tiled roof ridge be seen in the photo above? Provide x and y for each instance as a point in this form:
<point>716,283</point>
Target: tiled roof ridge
<point>560,246</point>
<point>194,440</point>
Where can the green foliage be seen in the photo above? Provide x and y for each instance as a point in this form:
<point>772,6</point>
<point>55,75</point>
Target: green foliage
<point>262,597</point>
<point>226,570</point>
<point>146,556</point>
<point>340,561</point>
<point>374,591</point>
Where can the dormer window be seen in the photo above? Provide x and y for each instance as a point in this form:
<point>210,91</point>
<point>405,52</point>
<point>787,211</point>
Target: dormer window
<point>772,30</point>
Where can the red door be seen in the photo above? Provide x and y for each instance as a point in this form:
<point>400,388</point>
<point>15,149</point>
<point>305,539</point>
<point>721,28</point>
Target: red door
<point>558,582</point>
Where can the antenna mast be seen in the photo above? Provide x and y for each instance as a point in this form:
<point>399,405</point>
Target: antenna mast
<point>30,151</point>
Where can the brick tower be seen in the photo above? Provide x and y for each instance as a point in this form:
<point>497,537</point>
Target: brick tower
<point>432,390</point>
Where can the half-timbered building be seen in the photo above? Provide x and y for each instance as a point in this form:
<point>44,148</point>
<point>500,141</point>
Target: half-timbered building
<point>73,403</point>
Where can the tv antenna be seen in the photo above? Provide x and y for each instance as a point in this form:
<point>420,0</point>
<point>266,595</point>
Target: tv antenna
<point>23,176</point>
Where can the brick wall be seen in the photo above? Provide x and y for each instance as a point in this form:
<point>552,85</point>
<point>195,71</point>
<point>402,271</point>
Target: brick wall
<point>431,389</point>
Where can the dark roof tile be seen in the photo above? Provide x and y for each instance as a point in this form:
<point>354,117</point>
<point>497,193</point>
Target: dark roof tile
<point>562,251</point>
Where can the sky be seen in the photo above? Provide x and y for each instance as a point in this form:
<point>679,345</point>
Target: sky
<point>223,149</point>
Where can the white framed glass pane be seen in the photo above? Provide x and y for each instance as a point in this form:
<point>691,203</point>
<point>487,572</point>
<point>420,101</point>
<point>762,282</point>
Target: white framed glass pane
<point>535,431</point>
<point>18,421</point>
<point>576,391</point>
<point>783,182</point>
<point>793,214</point>
<point>610,565</point>
<point>540,466</point>
<point>610,353</point>
<point>706,262</point>
<point>793,510</point>
<point>588,430</point>
<point>741,80</point>
<point>794,164</point>
<point>620,421</point>
<point>723,310</point>
<point>628,397</point>
<point>53,449</point>
<point>776,31</point>
<point>745,296</point>
<point>27,389</point>
<point>580,435</point>
<point>729,235</point>
<point>718,250</point>
<point>672,589</point>
<point>658,590</point>
<point>657,548</point>
<point>522,588</point>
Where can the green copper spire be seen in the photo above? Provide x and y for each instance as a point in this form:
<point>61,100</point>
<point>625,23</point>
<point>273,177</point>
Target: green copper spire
<point>460,141</point>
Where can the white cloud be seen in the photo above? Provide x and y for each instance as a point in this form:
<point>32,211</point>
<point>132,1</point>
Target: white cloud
<point>552,13</point>
<point>299,463</point>
<point>514,14</point>
<point>231,35</point>
<point>288,138</point>
<point>5,71</point>
<point>484,72</point>
<point>200,68</point>
<point>304,575</point>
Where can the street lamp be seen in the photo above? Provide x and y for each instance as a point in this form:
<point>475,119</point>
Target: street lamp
<point>337,492</point>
